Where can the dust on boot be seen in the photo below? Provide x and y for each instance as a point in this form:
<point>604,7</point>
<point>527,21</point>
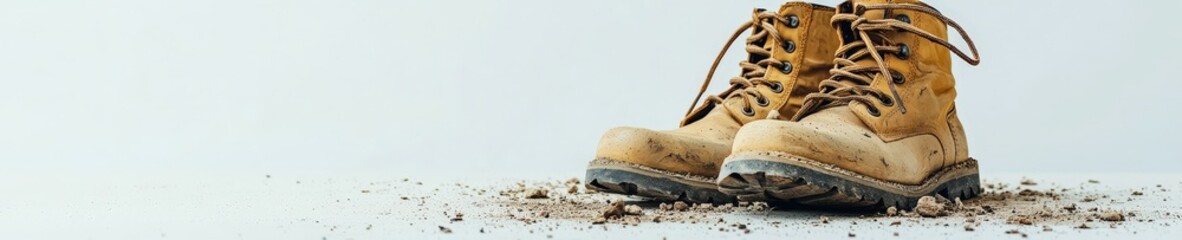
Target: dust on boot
<point>882,132</point>
<point>790,51</point>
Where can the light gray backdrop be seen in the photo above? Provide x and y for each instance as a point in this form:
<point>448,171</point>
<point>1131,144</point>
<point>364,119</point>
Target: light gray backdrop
<point>516,88</point>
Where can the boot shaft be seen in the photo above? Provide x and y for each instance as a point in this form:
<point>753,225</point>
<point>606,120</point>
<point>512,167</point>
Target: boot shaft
<point>922,98</point>
<point>802,49</point>
<point>813,55</point>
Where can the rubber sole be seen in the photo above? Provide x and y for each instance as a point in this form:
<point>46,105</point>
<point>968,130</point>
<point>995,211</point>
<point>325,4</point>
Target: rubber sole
<point>630,179</point>
<point>775,178</point>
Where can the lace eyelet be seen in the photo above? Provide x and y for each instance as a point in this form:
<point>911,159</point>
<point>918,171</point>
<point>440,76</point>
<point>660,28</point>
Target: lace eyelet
<point>777,87</point>
<point>793,21</point>
<point>898,78</point>
<point>789,46</point>
<point>903,18</point>
<point>904,51</point>
<point>786,68</point>
<point>748,111</point>
<point>761,101</point>
<point>873,111</point>
<point>887,101</point>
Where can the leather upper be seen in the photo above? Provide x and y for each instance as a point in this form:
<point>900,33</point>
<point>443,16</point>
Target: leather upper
<point>894,145</point>
<point>704,140</point>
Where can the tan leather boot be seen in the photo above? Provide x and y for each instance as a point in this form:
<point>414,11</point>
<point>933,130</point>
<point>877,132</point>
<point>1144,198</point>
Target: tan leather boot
<point>882,132</point>
<point>790,51</point>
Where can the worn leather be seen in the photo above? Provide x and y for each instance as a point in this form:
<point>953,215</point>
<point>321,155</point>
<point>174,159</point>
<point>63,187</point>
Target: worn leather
<point>895,146</point>
<point>704,140</point>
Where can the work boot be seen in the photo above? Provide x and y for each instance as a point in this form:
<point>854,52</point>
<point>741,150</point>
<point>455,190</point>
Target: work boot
<point>883,129</point>
<point>789,53</point>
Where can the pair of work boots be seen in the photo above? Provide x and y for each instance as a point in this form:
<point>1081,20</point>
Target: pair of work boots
<point>852,107</point>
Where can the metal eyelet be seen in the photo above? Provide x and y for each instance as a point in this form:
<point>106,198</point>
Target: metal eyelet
<point>793,21</point>
<point>789,46</point>
<point>897,78</point>
<point>904,51</point>
<point>887,101</point>
<point>761,101</point>
<point>748,111</point>
<point>903,18</point>
<point>786,67</point>
<point>777,87</point>
<point>873,111</point>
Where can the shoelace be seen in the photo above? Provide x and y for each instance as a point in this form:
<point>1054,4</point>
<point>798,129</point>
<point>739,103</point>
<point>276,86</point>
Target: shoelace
<point>752,74</point>
<point>851,82</point>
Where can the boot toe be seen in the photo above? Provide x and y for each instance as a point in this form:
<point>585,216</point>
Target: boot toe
<point>663,150</point>
<point>849,148</point>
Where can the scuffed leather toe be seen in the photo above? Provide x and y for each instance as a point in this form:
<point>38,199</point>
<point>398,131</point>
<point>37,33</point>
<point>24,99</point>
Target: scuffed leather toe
<point>663,150</point>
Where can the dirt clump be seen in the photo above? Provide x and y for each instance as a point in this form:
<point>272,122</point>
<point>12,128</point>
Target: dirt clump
<point>633,210</point>
<point>614,210</point>
<point>927,206</point>
<point>1020,219</point>
<point>1112,216</point>
<point>1028,182</point>
<point>537,193</point>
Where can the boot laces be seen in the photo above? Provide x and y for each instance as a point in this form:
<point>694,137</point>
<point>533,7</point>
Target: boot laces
<point>752,73</point>
<point>850,81</point>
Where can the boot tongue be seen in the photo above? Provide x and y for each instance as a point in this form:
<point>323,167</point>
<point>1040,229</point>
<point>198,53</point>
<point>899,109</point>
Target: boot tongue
<point>850,35</point>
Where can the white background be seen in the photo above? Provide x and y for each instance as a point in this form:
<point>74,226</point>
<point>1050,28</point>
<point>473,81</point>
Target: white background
<point>516,88</point>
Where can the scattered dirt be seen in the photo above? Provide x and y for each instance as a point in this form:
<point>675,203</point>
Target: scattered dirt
<point>459,216</point>
<point>1112,216</point>
<point>614,210</point>
<point>929,207</point>
<point>537,193</point>
<point>1023,207</point>
<point>633,210</point>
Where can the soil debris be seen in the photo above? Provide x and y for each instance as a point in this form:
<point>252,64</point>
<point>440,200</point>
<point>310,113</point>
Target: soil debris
<point>927,206</point>
<point>444,229</point>
<point>1028,182</point>
<point>633,210</point>
<point>1020,219</point>
<point>1112,216</point>
<point>758,206</point>
<point>614,210</point>
<point>665,207</point>
<point>599,220</point>
<point>1016,205</point>
<point>537,193</point>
